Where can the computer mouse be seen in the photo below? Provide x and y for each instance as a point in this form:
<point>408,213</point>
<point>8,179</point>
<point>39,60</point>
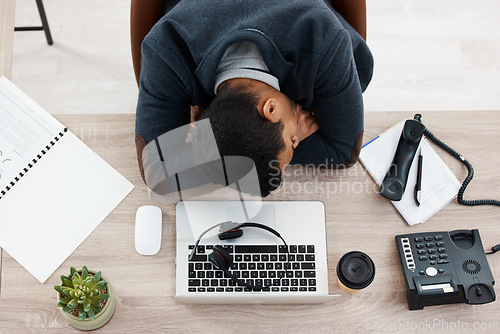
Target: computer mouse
<point>148,222</point>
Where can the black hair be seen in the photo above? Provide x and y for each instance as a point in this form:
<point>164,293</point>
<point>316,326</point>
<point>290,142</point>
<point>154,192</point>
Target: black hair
<point>239,130</point>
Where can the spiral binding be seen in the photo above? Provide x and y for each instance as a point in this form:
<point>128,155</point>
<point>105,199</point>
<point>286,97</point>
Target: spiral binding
<point>32,163</point>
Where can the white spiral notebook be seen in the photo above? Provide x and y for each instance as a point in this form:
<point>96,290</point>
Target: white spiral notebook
<point>54,190</point>
<point>439,184</point>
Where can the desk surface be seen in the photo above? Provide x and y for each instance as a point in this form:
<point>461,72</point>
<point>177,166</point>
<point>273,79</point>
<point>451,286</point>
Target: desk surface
<point>357,219</point>
<point>7,8</point>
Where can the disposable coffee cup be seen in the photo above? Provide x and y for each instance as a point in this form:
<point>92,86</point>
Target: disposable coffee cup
<point>355,271</point>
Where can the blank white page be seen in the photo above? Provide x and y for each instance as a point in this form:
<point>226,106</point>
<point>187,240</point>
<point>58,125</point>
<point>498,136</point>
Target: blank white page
<point>57,204</point>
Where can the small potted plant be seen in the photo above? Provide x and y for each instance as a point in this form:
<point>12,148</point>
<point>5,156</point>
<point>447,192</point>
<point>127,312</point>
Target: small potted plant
<point>86,299</point>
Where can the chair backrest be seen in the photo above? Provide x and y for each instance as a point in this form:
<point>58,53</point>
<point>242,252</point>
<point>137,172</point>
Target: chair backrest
<point>143,16</point>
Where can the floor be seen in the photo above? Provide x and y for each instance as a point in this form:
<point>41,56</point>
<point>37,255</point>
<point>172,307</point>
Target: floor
<point>430,55</point>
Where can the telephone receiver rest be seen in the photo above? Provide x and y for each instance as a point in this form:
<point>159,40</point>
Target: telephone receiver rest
<point>463,239</point>
<point>394,183</point>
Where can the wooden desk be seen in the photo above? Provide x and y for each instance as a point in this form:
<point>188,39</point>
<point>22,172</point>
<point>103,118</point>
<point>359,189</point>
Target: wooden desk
<point>357,219</point>
<point>7,8</point>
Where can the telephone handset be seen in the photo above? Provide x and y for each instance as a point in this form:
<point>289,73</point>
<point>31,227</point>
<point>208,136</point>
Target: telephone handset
<point>394,183</point>
<point>444,268</point>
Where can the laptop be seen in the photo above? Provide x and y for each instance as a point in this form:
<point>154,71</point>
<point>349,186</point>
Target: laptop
<point>260,258</point>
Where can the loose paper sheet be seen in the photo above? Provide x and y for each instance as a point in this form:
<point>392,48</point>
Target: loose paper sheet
<point>439,184</point>
<point>54,206</point>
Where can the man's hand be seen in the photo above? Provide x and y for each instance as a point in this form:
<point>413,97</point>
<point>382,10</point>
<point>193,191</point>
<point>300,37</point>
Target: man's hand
<point>196,113</point>
<point>306,123</point>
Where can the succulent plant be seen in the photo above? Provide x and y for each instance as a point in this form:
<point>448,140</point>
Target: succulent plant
<point>82,292</point>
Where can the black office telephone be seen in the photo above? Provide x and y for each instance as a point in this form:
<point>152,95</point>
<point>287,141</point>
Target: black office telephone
<point>444,268</point>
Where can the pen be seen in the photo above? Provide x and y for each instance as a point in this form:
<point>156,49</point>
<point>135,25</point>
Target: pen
<point>418,185</point>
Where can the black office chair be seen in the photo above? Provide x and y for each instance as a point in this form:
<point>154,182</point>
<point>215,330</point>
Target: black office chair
<point>44,26</point>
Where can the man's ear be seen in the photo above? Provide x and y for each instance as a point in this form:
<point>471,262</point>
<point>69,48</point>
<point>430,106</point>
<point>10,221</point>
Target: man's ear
<point>269,110</point>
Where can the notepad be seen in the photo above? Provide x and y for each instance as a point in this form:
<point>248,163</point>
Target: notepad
<point>54,190</point>
<point>439,184</point>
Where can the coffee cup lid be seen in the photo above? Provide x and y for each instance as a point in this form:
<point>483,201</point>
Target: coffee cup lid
<point>356,270</point>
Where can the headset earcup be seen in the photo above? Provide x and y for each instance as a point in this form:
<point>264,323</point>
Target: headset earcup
<point>220,259</point>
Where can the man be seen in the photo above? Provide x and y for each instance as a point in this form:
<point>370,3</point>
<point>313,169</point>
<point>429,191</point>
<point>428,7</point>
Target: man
<point>268,75</point>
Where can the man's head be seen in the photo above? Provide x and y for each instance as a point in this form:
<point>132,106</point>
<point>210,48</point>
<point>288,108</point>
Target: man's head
<point>251,119</point>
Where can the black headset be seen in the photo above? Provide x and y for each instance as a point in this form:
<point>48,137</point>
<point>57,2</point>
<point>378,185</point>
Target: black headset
<point>221,257</point>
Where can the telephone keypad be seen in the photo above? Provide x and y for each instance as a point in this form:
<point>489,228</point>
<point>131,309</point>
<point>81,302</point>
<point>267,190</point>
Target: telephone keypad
<point>431,252</point>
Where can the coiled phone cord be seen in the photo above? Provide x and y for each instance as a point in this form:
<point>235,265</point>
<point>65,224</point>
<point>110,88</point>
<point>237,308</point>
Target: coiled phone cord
<point>470,170</point>
<point>494,249</point>
<point>470,175</point>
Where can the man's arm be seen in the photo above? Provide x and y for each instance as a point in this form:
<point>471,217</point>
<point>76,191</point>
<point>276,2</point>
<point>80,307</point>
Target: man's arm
<point>163,103</point>
<point>165,90</point>
<point>338,111</point>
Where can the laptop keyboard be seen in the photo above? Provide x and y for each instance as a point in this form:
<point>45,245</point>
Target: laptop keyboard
<point>259,265</point>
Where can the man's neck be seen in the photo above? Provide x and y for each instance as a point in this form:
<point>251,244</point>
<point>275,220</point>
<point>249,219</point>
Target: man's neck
<point>250,84</point>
